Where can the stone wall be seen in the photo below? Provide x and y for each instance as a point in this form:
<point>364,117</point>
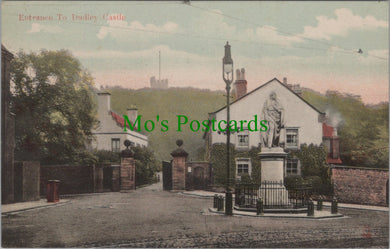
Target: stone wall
<point>360,185</point>
<point>26,181</point>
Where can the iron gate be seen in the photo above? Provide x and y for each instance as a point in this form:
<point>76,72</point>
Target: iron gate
<point>167,175</point>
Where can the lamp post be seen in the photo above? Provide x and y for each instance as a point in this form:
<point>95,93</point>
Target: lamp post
<point>227,75</point>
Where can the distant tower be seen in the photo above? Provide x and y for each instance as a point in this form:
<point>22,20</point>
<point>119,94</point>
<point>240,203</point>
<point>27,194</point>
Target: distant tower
<point>160,83</point>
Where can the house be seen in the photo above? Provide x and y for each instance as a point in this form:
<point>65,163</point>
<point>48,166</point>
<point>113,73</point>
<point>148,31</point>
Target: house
<point>109,134</point>
<point>302,123</point>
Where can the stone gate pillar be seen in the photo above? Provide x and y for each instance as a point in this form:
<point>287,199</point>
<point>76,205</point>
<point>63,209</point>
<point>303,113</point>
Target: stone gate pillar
<point>179,167</point>
<point>127,168</point>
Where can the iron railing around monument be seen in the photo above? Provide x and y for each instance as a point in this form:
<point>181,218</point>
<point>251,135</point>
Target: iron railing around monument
<point>274,194</point>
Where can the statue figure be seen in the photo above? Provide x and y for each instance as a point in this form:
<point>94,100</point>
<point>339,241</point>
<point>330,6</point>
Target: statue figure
<point>273,112</point>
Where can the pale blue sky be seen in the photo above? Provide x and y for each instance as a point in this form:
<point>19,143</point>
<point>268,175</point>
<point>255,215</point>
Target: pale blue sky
<point>311,43</point>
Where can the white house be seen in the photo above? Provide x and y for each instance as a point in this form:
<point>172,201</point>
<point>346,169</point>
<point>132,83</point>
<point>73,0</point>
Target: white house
<point>303,123</point>
<point>109,134</point>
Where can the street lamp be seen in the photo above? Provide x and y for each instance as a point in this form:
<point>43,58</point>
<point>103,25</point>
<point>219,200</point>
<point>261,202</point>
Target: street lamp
<point>227,75</point>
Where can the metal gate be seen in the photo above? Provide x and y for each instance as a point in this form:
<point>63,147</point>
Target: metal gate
<point>167,175</point>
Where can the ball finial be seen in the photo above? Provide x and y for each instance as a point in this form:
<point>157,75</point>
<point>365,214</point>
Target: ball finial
<point>127,143</point>
<point>179,142</point>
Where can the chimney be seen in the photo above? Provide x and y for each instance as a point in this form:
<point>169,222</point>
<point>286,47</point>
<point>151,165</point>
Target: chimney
<point>104,103</point>
<point>285,81</point>
<point>240,84</point>
<point>132,114</point>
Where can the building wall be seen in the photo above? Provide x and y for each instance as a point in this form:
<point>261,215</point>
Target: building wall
<point>7,131</point>
<point>108,128</point>
<point>360,185</point>
<point>310,129</point>
<point>103,141</point>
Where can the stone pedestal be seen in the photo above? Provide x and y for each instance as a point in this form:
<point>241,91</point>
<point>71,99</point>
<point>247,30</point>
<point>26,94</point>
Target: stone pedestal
<point>272,188</point>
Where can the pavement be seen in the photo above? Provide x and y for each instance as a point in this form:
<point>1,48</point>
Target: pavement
<point>28,205</point>
<point>149,217</point>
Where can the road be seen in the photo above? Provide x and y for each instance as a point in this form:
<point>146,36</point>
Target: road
<point>149,217</point>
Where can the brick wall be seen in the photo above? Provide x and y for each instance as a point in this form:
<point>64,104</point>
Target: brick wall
<point>179,173</point>
<point>360,185</point>
<point>127,173</point>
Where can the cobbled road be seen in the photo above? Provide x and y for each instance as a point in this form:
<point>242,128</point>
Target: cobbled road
<point>149,217</point>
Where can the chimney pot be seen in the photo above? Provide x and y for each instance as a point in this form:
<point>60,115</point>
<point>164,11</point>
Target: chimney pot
<point>238,74</point>
<point>285,80</point>
<point>243,73</point>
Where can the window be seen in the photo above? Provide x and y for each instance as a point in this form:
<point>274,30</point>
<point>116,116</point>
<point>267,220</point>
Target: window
<point>292,166</point>
<point>115,145</point>
<point>292,137</point>
<point>243,166</point>
<point>243,138</point>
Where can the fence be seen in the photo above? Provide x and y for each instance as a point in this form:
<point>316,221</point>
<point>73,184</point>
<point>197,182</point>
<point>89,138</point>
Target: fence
<point>274,195</point>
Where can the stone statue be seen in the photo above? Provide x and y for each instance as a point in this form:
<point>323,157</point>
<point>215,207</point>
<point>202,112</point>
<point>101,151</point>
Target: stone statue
<point>273,112</point>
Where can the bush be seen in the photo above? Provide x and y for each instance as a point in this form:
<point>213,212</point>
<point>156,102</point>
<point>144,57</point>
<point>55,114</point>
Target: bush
<point>293,181</point>
<point>146,166</point>
<point>107,156</point>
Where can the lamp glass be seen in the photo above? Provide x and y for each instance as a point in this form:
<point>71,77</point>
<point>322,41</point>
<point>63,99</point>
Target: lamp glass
<point>227,68</point>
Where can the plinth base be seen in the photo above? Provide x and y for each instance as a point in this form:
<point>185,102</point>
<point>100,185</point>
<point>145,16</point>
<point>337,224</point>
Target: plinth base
<point>274,194</point>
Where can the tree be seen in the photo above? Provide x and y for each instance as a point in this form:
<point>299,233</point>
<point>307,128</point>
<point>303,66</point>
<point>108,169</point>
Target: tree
<point>53,105</point>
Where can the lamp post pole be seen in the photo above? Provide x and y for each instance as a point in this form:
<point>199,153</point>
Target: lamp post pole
<point>227,74</point>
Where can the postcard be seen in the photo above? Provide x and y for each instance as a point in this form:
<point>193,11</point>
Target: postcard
<point>195,124</point>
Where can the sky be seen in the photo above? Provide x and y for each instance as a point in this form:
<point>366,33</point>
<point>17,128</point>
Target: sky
<point>314,44</point>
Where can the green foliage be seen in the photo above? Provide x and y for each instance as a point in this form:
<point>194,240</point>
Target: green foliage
<point>314,168</point>
<point>85,158</point>
<point>293,181</point>
<point>218,159</point>
<point>363,130</point>
<point>53,106</point>
<point>146,165</point>
<point>108,156</point>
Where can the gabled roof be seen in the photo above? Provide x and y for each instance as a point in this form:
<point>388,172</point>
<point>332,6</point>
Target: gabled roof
<point>120,120</point>
<point>274,79</point>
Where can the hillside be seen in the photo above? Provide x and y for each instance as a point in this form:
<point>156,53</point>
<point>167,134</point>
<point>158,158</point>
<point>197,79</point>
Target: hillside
<point>193,103</point>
